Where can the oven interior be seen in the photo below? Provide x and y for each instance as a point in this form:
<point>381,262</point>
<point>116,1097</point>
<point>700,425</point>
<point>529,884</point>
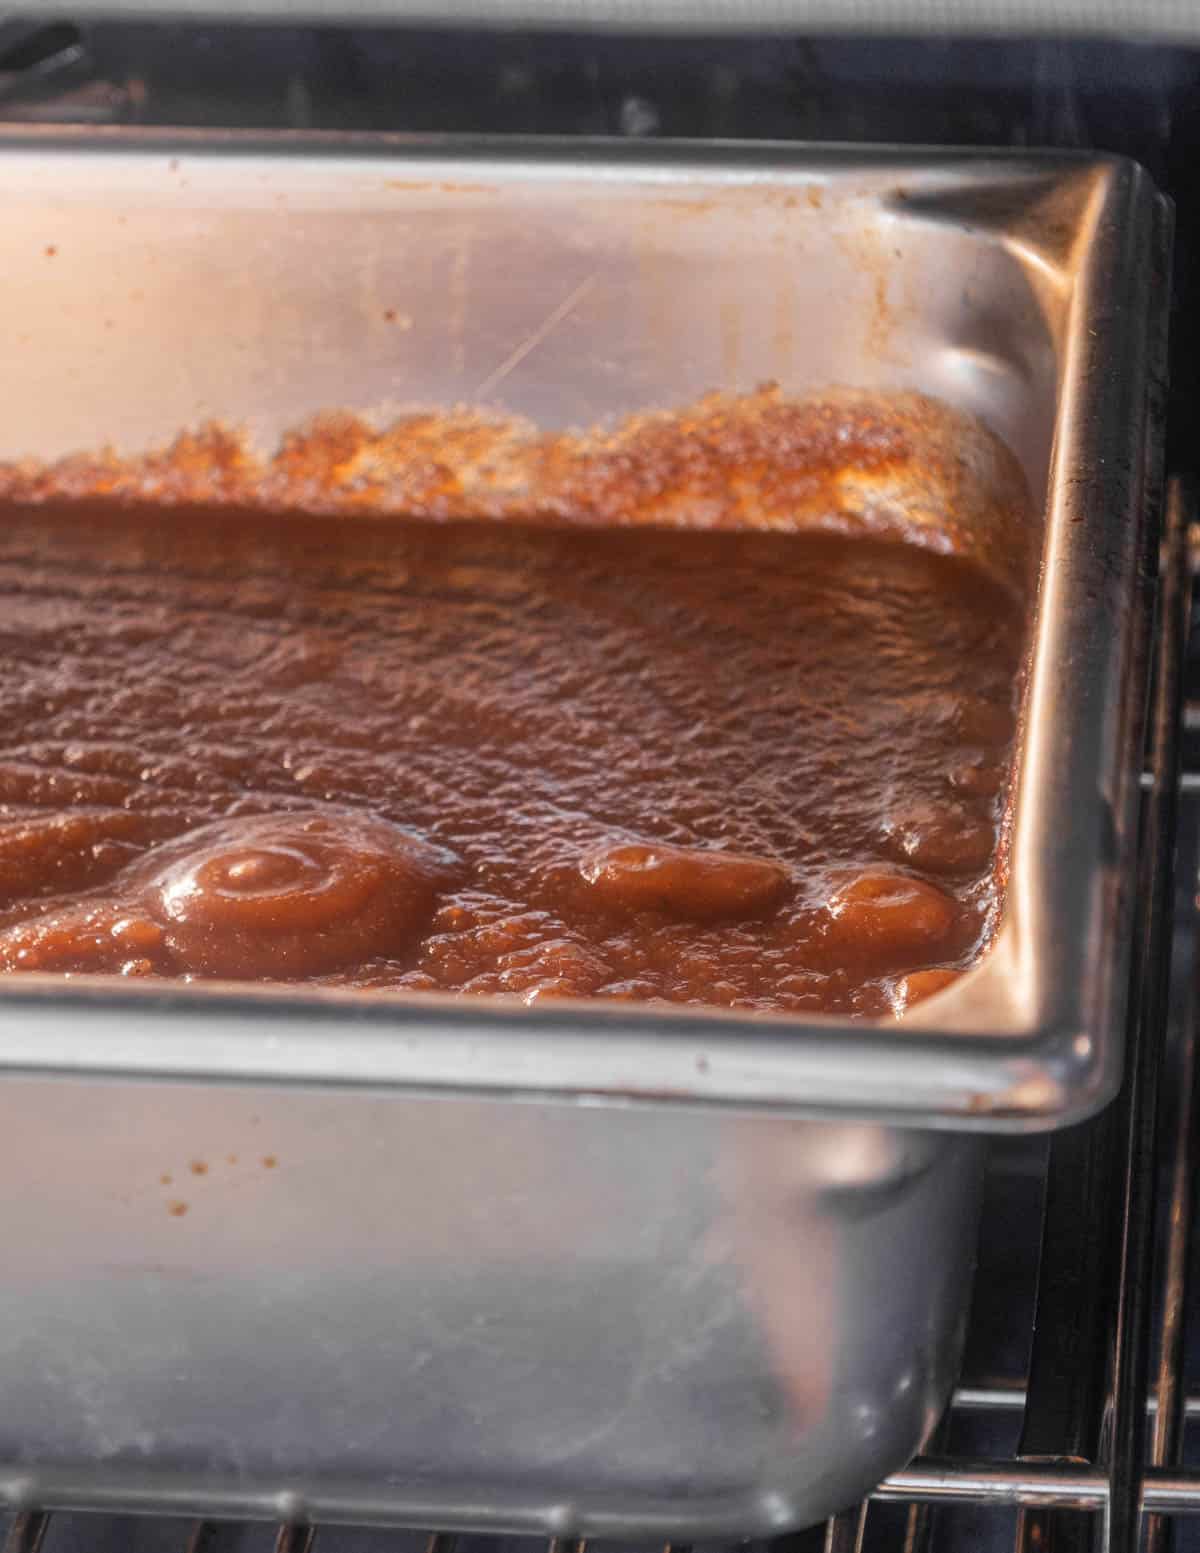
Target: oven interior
<point>1074,1422</point>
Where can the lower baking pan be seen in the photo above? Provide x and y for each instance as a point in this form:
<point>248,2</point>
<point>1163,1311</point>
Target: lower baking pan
<point>471,1312</point>
<point>601,1271</point>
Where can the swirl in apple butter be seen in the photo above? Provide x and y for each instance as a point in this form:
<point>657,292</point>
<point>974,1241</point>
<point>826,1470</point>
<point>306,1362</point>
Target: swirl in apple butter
<point>274,897</point>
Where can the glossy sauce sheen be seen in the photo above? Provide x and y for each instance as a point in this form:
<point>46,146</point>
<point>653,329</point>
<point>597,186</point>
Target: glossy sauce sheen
<point>745,770</point>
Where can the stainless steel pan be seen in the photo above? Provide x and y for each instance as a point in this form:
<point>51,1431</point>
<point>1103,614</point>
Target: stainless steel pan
<point>596,1270</point>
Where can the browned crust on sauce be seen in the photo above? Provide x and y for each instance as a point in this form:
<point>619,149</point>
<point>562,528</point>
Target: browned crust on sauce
<point>901,466</point>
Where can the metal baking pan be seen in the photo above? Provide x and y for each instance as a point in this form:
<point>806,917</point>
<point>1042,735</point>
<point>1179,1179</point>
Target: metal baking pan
<point>597,1270</point>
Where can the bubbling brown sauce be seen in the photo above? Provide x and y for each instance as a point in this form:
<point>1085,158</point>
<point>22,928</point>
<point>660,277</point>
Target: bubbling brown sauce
<point>249,898</point>
<point>749,770</point>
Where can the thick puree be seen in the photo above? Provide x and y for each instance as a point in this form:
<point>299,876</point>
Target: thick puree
<point>750,770</point>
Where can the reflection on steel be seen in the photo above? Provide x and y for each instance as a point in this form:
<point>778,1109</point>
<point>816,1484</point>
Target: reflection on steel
<point>844,1532</point>
<point>295,1539</point>
<point>1011,1399</point>
<point>1066,1391</point>
<point>1147,1028</point>
<point>1056,1485</point>
<point>1166,1442</point>
<point>26,1533</point>
<point>919,1523</point>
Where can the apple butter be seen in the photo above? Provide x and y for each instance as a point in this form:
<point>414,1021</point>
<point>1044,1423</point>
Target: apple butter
<point>751,770</point>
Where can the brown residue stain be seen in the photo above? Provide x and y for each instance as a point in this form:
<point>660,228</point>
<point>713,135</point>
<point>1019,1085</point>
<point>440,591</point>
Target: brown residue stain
<point>815,195</point>
<point>845,462</point>
<point>51,250</point>
<point>389,315</point>
<point>874,263</point>
<point>696,207</point>
<point>199,1167</point>
<point>166,1178</point>
<point>424,186</point>
<point>881,317</point>
<point>176,1208</point>
<point>231,1159</point>
<point>269,1161</point>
